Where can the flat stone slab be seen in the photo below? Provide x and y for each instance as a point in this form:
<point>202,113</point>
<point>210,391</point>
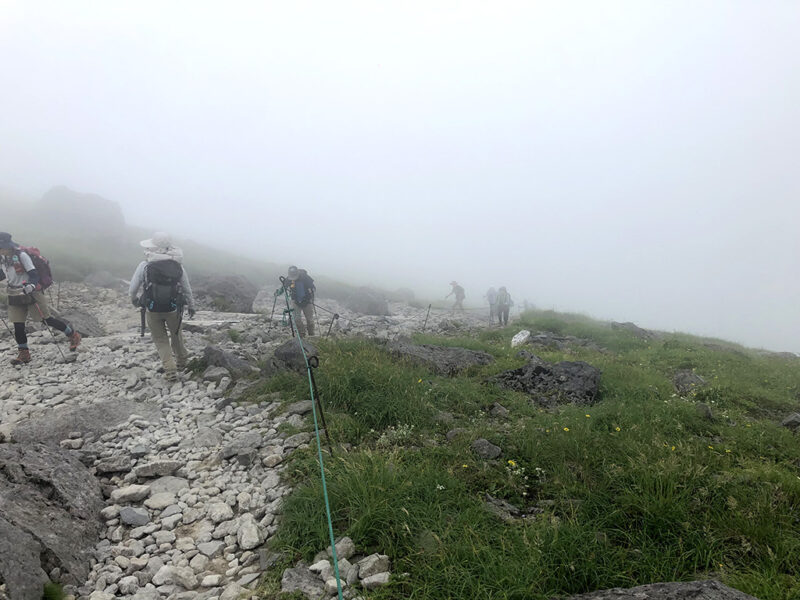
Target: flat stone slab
<point>440,359</point>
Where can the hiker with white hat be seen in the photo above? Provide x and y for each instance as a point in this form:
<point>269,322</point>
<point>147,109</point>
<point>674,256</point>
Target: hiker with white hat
<point>301,291</point>
<point>165,291</point>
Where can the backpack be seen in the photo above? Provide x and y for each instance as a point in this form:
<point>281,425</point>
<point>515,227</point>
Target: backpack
<point>162,286</point>
<point>303,289</point>
<point>41,264</point>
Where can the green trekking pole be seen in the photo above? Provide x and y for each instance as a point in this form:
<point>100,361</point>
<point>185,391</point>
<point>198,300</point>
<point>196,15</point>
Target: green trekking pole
<point>272,314</point>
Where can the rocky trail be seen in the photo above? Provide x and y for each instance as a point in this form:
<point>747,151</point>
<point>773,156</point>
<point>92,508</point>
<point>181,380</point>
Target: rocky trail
<point>118,484</point>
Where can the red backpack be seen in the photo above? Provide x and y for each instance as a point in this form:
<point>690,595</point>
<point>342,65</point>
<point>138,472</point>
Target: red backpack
<point>41,264</point>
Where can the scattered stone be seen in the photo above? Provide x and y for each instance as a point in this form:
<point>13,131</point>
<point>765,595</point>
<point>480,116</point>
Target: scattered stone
<point>372,565</point>
<point>135,517</point>
<point>519,339</point>
<point>130,493</point>
<point>375,581</point>
<point>159,468</point>
<point>687,382</point>
<point>485,449</point>
<point>700,590</point>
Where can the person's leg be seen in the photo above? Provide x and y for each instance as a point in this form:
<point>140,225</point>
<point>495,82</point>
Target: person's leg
<point>176,339</point>
<point>157,323</point>
<point>42,310</point>
<point>297,313</point>
<point>308,311</point>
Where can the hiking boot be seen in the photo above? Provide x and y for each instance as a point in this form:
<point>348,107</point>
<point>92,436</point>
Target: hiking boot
<point>24,357</point>
<point>171,376</point>
<point>74,340</point>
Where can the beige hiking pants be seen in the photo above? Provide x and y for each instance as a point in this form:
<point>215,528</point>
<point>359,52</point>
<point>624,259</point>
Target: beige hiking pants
<point>165,329</point>
<point>306,311</point>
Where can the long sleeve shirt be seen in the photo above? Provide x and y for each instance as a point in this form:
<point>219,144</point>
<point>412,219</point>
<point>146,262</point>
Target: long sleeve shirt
<point>137,282</point>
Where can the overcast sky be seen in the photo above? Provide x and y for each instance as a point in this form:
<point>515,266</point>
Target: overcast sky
<point>632,160</point>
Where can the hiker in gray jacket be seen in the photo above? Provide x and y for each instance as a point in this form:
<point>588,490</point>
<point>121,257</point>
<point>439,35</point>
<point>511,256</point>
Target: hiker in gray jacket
<point>165,290</point>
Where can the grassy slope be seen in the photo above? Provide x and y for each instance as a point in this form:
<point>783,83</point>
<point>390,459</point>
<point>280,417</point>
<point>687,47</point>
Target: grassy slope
<point>637,489</point>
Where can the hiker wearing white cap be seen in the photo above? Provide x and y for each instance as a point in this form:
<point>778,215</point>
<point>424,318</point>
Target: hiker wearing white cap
<point>165,291</point>
<point>301,291</point>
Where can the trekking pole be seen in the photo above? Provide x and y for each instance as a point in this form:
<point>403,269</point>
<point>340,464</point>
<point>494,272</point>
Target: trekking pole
<point>272,314</point>
<point>41,314</point>
<point>425,324</point>
<point>7,327</point>
<point>313,362</point>
<point>144,325</point>
<point>58,297</point>
<point>335,317</point>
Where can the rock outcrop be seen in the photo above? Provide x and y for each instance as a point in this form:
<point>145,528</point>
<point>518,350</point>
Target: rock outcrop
<point>549,384</point>
<point>443,360</point>
<point>225,293</point>
<point>49,518</point>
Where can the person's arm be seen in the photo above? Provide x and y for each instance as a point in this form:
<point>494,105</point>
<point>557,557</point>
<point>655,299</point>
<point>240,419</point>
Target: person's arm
<point>450,294</point>
<point>136,281</point>
<point>30,270</point>
<point>187,291</point>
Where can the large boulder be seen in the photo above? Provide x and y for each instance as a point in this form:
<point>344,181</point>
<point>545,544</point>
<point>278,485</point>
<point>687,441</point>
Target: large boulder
<point>693,590</point>
<point>440,359</point>
<point>225,293</point>
<point>82,321</point>
<point>49,518</point>
<point>238,367</point>
<point>290,356</point>
<point>91,420</point>
<point>549,384</point>
<point>265,300</point>
<point>366,301</point>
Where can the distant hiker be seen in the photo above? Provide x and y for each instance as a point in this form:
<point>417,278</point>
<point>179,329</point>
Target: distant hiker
<point>301,291</point>
<point>26,296</point>
<point>165,291</point>
<point>504,304</point>
<point>491,296</point>
<point>459,293</point>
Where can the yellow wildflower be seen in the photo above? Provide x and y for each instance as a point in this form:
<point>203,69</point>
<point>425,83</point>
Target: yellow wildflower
<point>512,463</point>
<point>587,416</point>
<point>464,466</point>
<point>673,448</point>
<point>566,428</point>
<point>617,429</point>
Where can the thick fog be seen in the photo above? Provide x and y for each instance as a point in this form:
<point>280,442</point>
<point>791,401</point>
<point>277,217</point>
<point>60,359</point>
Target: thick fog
<point>631,160</point>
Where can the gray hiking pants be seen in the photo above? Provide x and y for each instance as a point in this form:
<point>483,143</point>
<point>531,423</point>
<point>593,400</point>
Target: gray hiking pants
<point>165,329</point>
<point>306,311</point>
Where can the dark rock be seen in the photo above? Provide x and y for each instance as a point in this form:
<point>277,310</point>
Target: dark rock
<point>792,421</point>
<point>225,293</point>
<point>485,449</point>
<point>695,590</point>
<point>553,383</point>
<point>49,517</point>
<point>95,419</point>
<point>366,301</point>
<point>687,382</point>
<point>290,356</point>
<point>441,359</point>
<point>300,407</point>
<point>238,367</point>
<point>215,373</point>
<point>642,334</point>
<point>507,511</point>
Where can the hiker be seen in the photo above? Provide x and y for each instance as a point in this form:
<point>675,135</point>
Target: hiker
<point>301,291</point>
<point>459,293</point>
<point>165,290</point>
<point>26,296</point>
<point>504,304</point>
<point>491,296</point>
